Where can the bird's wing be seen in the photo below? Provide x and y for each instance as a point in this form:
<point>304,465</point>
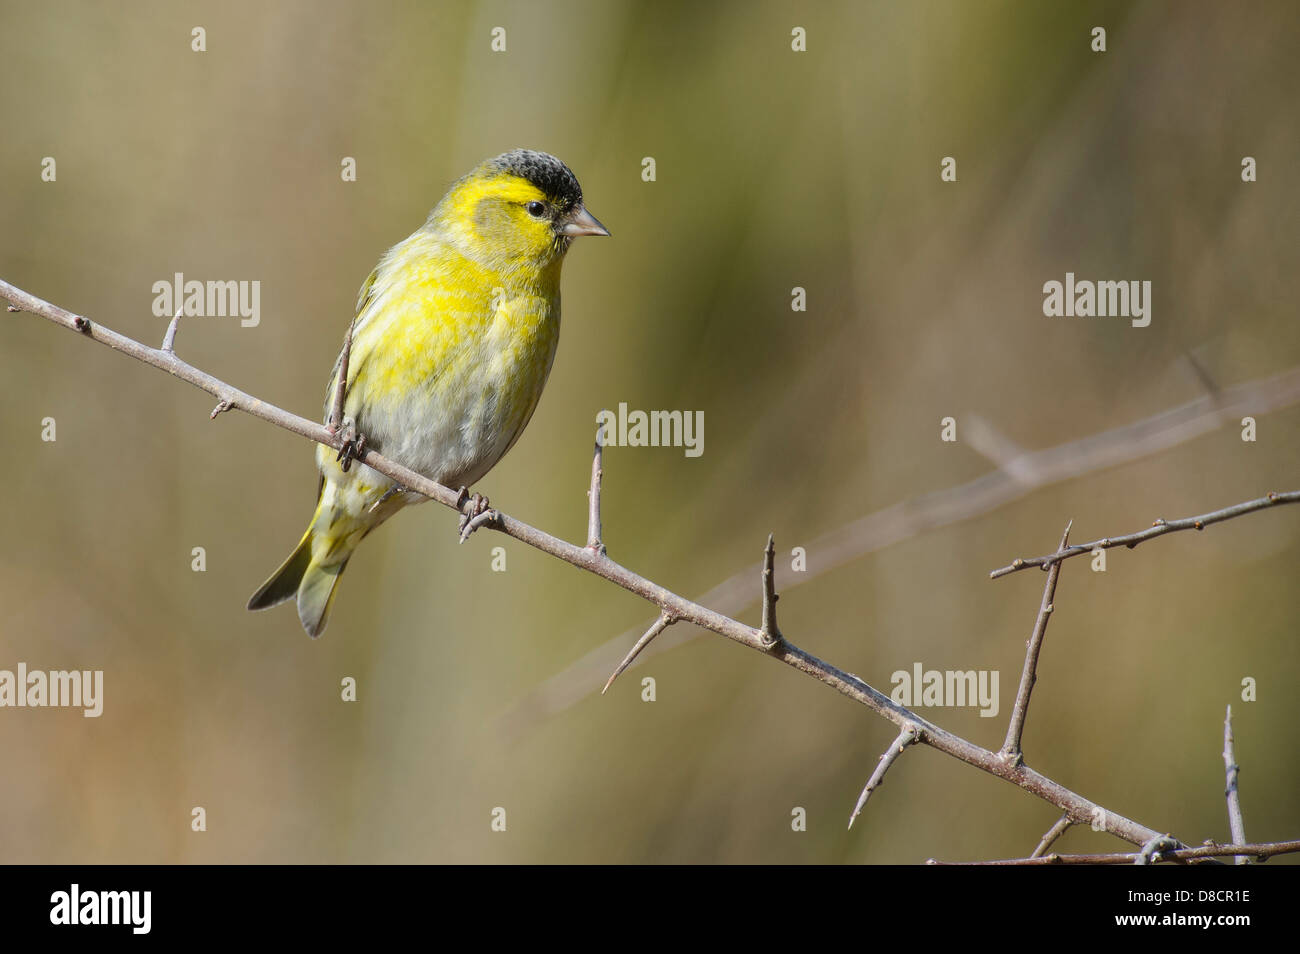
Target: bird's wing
<point>364,297</point>
<point>367,290</point>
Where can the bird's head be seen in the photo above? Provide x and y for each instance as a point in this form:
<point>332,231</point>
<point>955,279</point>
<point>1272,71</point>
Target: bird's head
<point>521,208</point>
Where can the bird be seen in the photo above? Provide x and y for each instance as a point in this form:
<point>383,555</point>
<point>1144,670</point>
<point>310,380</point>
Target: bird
<point>454,335</point>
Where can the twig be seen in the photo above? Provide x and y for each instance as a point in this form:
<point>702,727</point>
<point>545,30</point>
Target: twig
<point>1205,852</point>
<point>1015,729</point>
<point>593,497</point>
<point>1063,824</point>
<point>1157,529</point>
<point>669,603</point>
<point>905,738</point>
<point>229,397</point>
<point>657,627</point>
<point>1017,476</point>
<point>771,632</point>
<point>1235,822</point>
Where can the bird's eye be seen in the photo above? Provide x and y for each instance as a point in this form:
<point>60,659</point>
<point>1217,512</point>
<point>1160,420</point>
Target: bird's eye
<point>535,209</point>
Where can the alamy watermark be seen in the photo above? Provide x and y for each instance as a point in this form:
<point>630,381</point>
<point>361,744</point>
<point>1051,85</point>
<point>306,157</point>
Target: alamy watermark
<point>38,688</point>
<point>1089,299</point>
<point>75,906</point>
<point>951,688</point>
<point>652,429</point>
<point>213,299</point>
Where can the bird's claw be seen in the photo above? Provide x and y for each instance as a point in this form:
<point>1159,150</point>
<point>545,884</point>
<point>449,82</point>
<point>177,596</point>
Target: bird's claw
<point>478,514</point>
<point>353,446</point>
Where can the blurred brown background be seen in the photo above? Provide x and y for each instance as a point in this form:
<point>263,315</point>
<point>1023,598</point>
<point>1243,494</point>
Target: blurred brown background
<point>775,169</point>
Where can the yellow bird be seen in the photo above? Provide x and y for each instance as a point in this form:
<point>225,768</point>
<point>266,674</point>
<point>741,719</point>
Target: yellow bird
<point>453,340</point>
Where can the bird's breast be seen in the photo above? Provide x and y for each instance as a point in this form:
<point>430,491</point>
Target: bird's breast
<point>457,377</point>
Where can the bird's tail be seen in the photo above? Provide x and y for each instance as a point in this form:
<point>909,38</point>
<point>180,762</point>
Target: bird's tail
<point>311,573</point>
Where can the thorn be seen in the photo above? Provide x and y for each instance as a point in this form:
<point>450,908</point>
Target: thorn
<point>594,541</point>
<point>169,338</point>
<point>390,492</point>
<point>770,632</point>
<point>658,626</point>
<point>906,737</point>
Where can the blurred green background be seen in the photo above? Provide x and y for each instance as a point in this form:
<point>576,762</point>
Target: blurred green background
<point>775,169</point>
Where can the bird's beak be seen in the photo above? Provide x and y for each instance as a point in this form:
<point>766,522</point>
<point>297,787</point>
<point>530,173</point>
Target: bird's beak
<point>581,222</point>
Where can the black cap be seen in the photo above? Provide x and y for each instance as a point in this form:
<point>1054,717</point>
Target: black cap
<point>543,170</point>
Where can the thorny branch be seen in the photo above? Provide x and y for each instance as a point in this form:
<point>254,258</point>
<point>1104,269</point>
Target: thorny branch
<point>673,608</point>
<point>1207,851</point>
<point>1163,847</point>
<point>1157,529</point>
<point>1018,473</point>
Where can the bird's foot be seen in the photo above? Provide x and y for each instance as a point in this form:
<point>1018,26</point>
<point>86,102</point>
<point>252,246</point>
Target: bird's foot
<point>477,514</point>
<point>353,446</point>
